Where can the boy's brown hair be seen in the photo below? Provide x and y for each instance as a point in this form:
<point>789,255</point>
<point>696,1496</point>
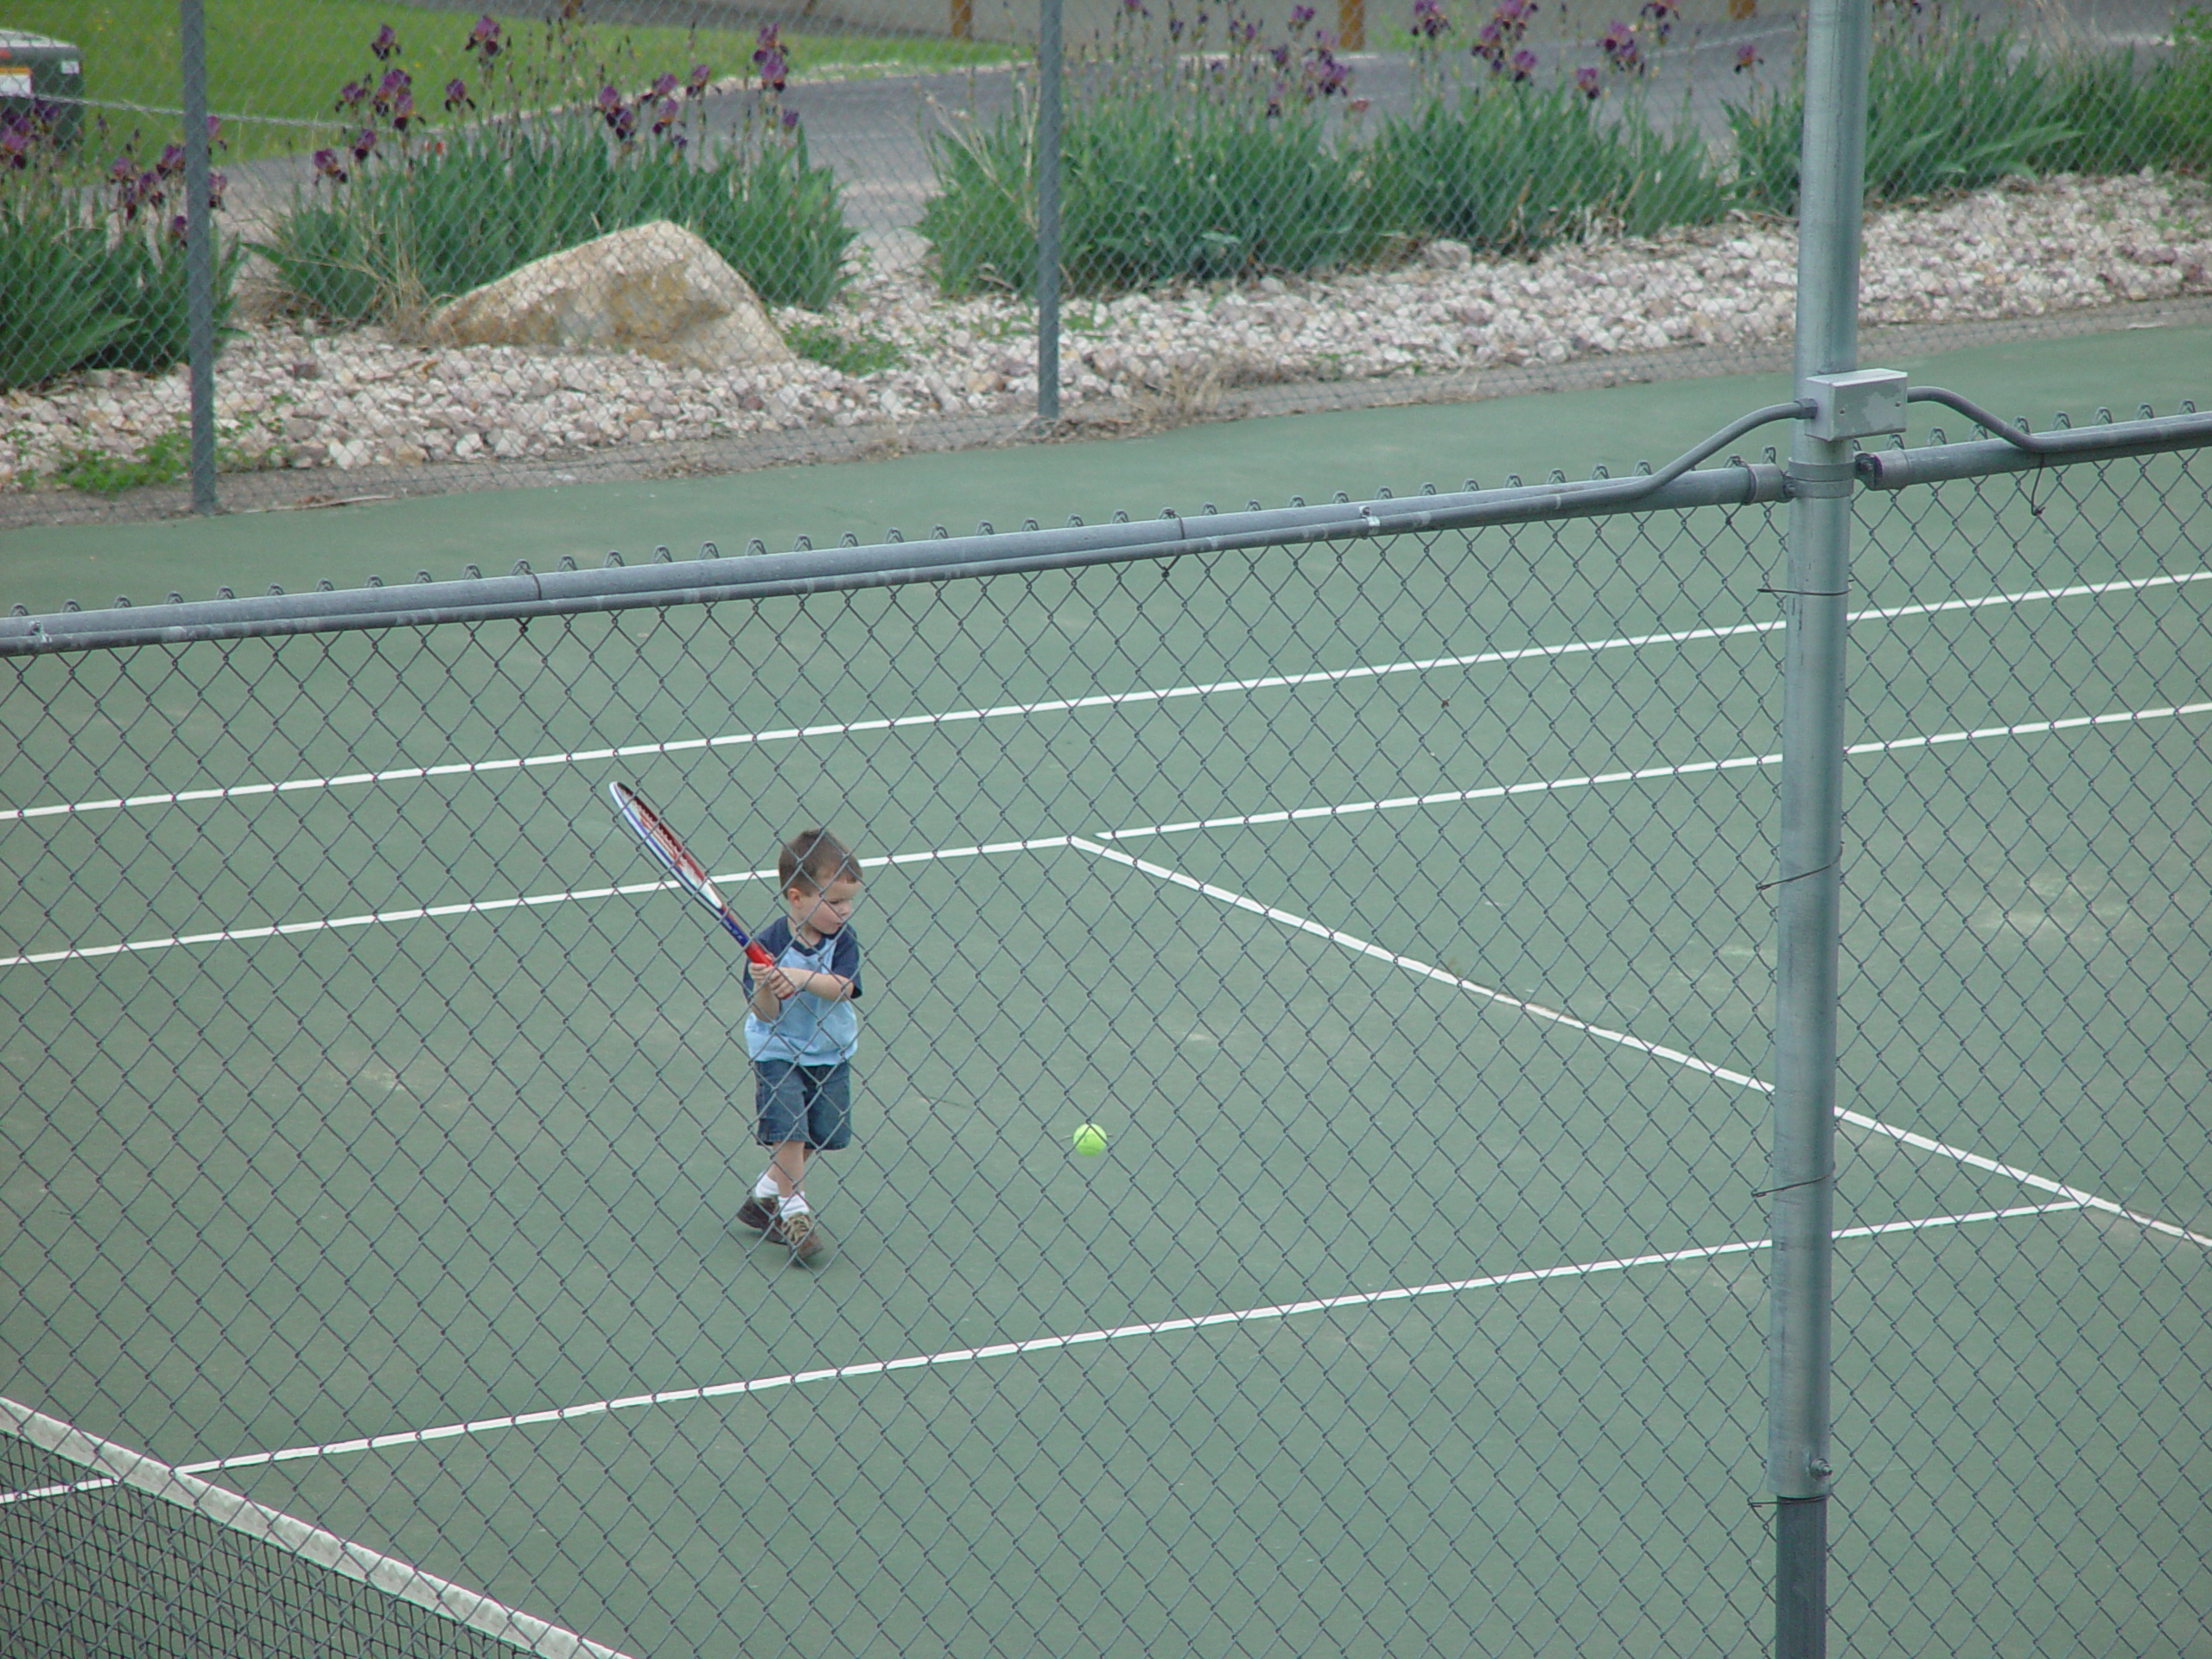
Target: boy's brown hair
<point>817,858</point>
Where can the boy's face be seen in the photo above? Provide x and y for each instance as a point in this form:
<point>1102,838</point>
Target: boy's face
<point>817,913</point>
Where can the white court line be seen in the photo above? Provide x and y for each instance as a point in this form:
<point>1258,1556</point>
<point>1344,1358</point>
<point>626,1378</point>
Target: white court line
<point>1422,969</point>
<point>488,906</point>
<point>1689,768</point>
<point>2073,1196</point>
<point>1648,774</point>
<point>62,1490</point>
<point>1064,705</point>
<point>1053,1345</point>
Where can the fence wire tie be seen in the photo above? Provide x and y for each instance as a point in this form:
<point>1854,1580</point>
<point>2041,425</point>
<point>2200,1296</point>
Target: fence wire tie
<point>1817,1180</point>
<point>1784,880</point>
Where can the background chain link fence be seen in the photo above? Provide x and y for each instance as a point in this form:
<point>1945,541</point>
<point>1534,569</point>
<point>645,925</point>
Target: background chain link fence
<point>1395,903</point>
<point>1262,209</point>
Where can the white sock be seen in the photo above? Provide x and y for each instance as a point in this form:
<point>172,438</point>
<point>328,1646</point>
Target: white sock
<point>794,1205</point>
<point>765,1188</point>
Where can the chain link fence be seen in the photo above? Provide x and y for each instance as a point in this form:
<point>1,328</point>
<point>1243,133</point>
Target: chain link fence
<point>829,221</point>
<point>1388,883</point>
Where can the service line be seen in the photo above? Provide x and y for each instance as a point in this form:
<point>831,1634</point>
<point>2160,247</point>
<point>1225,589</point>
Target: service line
<point>1067,705</point>
<point>1242,820</point>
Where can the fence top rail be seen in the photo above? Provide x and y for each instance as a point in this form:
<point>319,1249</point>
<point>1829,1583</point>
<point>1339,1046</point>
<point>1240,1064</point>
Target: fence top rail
<point>2013,449</point>
<point>525,593</point>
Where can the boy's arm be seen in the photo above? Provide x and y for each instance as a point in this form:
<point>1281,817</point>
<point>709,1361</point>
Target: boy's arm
<point>843,983</point>
<point>765,1003</point>
<point>771,986</point>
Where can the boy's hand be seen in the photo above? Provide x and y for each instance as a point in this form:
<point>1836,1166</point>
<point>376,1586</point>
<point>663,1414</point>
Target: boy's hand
<point>778,983</point>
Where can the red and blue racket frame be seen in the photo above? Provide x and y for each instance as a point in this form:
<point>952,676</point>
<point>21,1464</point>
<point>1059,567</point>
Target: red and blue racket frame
<point>669,852</point>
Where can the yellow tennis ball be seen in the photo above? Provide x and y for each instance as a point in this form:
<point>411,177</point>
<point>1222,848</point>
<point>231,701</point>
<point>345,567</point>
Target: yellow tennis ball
<point>1091,1140</point>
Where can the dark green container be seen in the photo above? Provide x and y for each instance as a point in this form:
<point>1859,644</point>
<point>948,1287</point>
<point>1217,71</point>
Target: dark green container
<point>37,73</point>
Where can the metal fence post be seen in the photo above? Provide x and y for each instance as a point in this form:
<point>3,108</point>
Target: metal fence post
<point>198,254</point>
<point>1809,875</point>
<point>1048,213</point>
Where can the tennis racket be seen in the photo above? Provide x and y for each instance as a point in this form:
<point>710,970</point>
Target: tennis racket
<point>690,874</point>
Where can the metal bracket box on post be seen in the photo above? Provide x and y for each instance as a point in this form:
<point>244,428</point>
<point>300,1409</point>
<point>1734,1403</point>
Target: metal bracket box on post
<point>1862,404</point>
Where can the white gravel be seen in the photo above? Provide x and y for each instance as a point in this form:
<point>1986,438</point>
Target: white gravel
<point>288,395</point>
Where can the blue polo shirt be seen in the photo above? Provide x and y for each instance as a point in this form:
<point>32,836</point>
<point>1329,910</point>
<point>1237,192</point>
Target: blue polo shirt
<point>808,1030</point>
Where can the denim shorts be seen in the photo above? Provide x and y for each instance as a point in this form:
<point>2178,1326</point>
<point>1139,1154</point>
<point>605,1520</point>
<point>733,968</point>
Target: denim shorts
<point>812,1103</point>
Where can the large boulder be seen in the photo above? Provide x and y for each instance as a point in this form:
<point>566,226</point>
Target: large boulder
<point>656,289</point>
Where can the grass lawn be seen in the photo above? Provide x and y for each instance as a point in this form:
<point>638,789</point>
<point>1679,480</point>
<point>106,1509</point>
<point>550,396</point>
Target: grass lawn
<point>286,59</point>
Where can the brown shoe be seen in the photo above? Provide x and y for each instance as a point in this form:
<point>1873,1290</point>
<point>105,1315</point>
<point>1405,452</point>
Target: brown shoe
<point>804,1237</point>
<point>757,1212</point>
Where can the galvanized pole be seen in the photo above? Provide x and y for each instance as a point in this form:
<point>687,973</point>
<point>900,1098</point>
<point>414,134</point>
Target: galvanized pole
<point>1048,213</point>
<point>1811,866</point>
<point>199,256</point>
<point>1814,602</point>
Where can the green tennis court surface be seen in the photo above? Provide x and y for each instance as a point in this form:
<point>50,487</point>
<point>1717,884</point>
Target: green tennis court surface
<point>1396,909</point>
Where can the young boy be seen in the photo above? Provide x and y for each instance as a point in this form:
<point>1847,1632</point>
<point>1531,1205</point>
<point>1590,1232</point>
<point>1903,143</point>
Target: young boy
<point>801,1029</point>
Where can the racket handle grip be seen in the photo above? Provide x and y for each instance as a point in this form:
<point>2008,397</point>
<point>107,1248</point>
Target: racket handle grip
<point>757,956</point>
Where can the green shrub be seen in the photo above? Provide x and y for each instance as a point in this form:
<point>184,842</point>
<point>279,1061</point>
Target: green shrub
<point>145,285</point>
<point>78,293</point>
<point>1958,112</point>
<point>52,262</point>
<point>408,209</point>
<point>1949,107</point>
<point>321,255</point>
<point>488,199</point>
<point>981,225</point>
<point>1766,130</point>
<point>1512,168</point>
<point>2181,91</point>
<point>773,215</point>
<point>1154,189</point>
<point>2110,115</point>
<point>1150,199</point>
<point>1186,153</point>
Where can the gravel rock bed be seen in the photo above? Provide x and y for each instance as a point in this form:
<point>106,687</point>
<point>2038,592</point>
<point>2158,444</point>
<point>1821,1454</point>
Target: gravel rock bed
<point>290,394</point>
